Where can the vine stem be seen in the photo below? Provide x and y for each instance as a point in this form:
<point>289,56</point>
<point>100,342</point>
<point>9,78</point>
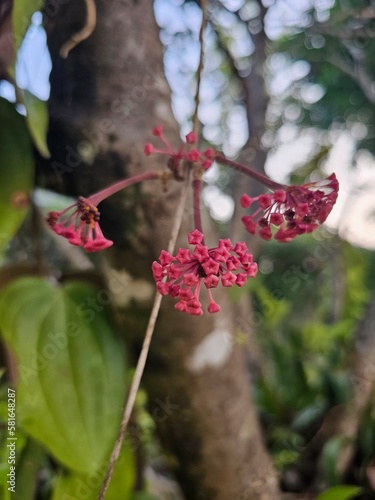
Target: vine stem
<point>99,196</point>
<point>197,179</point>
<point>197,188</point>
<point>144,353</point>
<point>200,66</point>
<point>249,171</point>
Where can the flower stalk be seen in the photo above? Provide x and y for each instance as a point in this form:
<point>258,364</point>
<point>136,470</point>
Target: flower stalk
<point>101,195</point>
<point>79,223</point>
<point>266,181</point>
<point>197,190</point>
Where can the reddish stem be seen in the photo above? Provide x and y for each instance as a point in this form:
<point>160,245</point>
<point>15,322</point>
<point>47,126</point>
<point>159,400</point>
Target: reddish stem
<point>250,172</point>
<point>96,198</point>
<point>197,188</point>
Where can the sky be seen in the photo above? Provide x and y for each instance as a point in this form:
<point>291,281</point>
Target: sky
<point>354,214</point>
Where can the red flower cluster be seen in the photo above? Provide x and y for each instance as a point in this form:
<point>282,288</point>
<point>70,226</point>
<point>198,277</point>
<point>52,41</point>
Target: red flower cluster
<point>205,158</point>
<point>181,276</point>
<point>294,210</point>
<point>79,224</point>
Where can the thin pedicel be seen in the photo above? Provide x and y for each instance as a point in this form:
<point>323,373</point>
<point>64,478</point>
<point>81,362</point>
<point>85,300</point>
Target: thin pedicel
<point>79,223</point>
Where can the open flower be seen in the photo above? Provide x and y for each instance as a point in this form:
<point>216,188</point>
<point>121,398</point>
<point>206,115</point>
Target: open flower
<point>181,276</point>
<point>294,210</point>
<point>204,158</point>
<point>79,224</point>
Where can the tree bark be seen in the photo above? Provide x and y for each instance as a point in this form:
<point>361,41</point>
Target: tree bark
<point>105,99</point>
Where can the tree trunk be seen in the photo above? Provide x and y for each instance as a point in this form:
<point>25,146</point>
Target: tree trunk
<point>105,99</point>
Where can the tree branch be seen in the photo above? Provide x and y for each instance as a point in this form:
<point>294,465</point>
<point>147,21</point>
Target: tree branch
<point>357,72</point>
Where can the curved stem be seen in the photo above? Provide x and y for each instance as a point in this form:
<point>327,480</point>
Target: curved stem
<point>84,33</point>
<point>96,198</point>
<point>197,189</point>
<point>200,66</point>
<point>143,355</point>
<point>250,172</point>
<point>197,182</point>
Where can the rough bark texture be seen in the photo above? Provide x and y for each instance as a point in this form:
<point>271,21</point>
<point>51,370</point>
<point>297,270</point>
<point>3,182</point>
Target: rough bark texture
<point>105,99</point>
<point>6,38</point>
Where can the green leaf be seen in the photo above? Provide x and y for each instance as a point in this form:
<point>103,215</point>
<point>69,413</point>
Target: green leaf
<point>16,170</point>
<point>22,12</point>
<point>305,418</point>
<point>73,486</point>
<point>29,464</point>
<point>71,368</point>
<point>340,493</point>
<point>37,121</point>
<point>330,456</point>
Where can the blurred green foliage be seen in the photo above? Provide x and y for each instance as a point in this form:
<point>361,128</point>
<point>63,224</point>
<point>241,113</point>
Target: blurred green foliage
<point>307,304</point>
<point>16,171</point>
<point>340,493</point>
<point>340,54</point>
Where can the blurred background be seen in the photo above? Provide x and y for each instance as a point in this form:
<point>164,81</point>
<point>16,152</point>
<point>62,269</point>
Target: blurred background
<point>288,87</point>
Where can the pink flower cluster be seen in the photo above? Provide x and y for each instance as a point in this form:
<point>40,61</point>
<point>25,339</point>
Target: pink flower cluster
<point>79,224</point>
<point>294,210</point>
<point>204,158</point>
<point>181,276</point>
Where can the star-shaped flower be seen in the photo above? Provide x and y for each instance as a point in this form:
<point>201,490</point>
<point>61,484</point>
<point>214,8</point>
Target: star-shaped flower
<point>294,210</point>
<point>182,276</point>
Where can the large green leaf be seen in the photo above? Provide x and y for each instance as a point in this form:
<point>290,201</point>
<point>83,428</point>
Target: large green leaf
<point>37,121</point>
<point>71,368</point>
<point>22,12</point>
<point>340,493</point>
<point>16,170</point>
